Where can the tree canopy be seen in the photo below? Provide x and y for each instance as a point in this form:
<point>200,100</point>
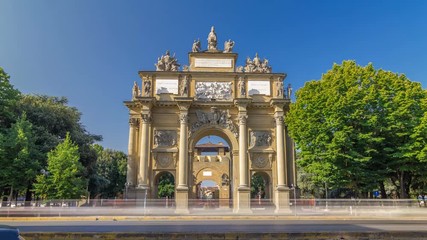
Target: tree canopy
<point>31,127</point>
<point>358,127</point>
<point>64,176</point>
<point>110,177</point>
<point>8,99</point>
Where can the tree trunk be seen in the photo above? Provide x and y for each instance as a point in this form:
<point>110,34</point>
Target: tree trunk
<point>28,195</point>
<point>405,180</point>
<point>11,194</point>
<point>382,190</point>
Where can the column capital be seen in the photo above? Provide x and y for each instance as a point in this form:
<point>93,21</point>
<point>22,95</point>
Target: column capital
<point>134,122</point>
<point>279,120</point>
<point>146,118</point>
<point>242,119</point>
<point>183,118</point>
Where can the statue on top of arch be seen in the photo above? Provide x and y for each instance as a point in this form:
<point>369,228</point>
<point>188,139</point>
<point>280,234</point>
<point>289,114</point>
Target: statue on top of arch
<point>167,63</point>
<point>256,65</point>
<point>212,41</point>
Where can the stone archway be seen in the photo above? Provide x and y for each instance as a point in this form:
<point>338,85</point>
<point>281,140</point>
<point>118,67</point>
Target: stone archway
<point>217,168</point>
<point>245,105</point>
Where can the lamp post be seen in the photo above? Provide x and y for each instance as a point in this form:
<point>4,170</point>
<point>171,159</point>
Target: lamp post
<point>127,184</point>
<point>295,198</point>
<point>326,195</point>
<point>145,200</point>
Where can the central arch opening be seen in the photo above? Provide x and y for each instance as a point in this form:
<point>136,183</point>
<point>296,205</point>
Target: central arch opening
<point>212,169</point>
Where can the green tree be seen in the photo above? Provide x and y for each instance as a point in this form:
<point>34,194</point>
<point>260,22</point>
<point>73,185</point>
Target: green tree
<point>356,127</point>
<point>110,172</point>
<point>17,151</point>
<point>8,99</point>
<point>52,119</point>
<point>166,186</point>
<point>257,184</point>
<point>64,178</point>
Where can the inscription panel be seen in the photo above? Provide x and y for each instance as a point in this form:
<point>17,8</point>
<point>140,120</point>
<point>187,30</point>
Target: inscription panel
<point>259,87</point>
<point>166,86</point>
<point>212,63</point>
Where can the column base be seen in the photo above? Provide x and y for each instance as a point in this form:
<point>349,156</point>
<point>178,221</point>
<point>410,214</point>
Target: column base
<point>181,200</point>
<point>281,197</point>
<point>141,195</point>
<point>243,201</point>
<point>130,192</point>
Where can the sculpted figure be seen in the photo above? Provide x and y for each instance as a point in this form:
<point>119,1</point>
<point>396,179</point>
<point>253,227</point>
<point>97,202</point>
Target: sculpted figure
<point>249,65</point>
<point>228,46</point>
<point>184,86</point>
<point>252,139</point>
<point>160,66</point>
<point>256,65</point>
<point>196,46</point>
<point>135,91</point>
<point>147,87</point>
<point>157,138</point>
<point>242,87</point>
<point>257,61</point>
<point>212,41</point>
<point>166,57</point>
<point>279,87</point>
<point>264,66</point>
<point>167,63</point>
<point>289,91</point>
<point>239,69</point>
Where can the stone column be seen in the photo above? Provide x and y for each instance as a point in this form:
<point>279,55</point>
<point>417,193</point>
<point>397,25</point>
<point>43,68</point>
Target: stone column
<point>181,195</point>
<point>243,190</point>
<point>183,151</point>
<point>281,191</point>
<point>243,149</point>
<point>280,159</point>
<point>144,151</point>
<point>130,176</point>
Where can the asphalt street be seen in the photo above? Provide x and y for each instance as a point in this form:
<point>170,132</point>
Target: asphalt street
<point>221,226</point>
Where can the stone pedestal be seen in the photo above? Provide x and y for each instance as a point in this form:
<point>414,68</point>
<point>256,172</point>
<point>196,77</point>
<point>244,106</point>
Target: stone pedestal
<point>181,200</point>
<point>281,197</point>
<point>243,201</point>
<point>142,194</point>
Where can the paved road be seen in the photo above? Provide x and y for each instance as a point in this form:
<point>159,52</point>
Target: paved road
<point>222,226</point>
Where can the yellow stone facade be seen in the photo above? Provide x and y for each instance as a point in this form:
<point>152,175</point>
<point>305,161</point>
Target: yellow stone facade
<point>212,96</point>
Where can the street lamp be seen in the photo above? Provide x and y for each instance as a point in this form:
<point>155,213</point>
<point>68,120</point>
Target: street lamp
<point>127,184</point>
<point>326,195</point>
<point>295,198</point>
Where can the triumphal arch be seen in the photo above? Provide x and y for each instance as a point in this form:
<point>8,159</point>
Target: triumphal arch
<point>177,106</point>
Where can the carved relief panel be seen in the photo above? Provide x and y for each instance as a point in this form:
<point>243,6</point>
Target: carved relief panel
<point>214,117</point>
<point>164,160</point>
<point>213,90</point>
<point>260,139</point>
<point>164,138</point>
<point>261,160</point>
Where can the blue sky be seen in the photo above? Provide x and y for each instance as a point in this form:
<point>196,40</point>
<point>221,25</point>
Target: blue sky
<point>91,50</point>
